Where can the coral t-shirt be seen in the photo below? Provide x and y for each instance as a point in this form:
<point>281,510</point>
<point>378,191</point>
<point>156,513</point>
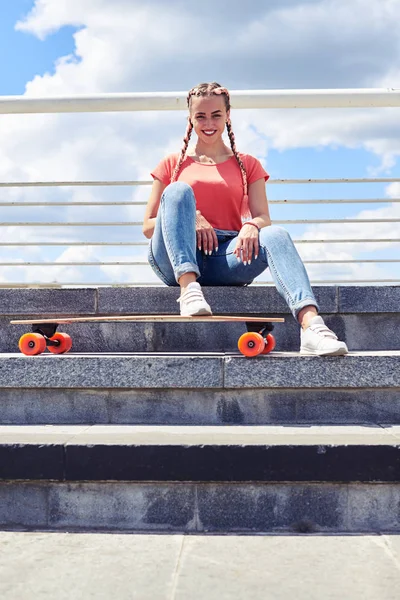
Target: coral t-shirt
<point>218,188</point>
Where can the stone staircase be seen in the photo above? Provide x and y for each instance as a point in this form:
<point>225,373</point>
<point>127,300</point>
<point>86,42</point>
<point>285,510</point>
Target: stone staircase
<point>166,427</point>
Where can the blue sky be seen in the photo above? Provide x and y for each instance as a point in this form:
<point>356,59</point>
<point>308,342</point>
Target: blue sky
<point>63,47</point>
<point>24,55</point>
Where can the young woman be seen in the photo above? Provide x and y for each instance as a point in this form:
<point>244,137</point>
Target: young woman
<point>209,223</point>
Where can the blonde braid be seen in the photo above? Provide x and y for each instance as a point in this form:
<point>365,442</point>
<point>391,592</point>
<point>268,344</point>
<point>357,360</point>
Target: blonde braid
<point>245,202</point>
<point>182,155</point>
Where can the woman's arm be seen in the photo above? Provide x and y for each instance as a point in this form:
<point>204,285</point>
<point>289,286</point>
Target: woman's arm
<point>150,214</point>
<point>258,203</point>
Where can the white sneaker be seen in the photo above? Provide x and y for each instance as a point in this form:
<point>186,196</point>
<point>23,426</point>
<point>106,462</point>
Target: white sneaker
<point>319,340</point>
<point>193,302</point>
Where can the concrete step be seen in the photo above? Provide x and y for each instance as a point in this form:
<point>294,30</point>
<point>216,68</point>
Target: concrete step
<point>200,479</point>
<point>237,453</point>
<point>364,317</point>
<point>199,389</point>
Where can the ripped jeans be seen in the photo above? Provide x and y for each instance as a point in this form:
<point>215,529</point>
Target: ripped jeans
<point>173,252</point>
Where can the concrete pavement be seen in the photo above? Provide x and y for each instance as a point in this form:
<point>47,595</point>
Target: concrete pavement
<point>61,566</point>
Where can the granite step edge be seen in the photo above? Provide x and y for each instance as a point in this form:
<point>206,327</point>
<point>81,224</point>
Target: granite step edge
<point>203,370</point>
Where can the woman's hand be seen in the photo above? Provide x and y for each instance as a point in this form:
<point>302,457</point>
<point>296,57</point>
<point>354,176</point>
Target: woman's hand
<point>206,237</point>
<point>247,244</point>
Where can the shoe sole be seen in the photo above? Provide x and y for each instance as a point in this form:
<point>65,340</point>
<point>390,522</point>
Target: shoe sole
<point>201,312</point>
<point>339,352</point>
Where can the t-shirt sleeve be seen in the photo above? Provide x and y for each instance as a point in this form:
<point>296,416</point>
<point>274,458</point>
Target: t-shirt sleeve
<point>164,169</point>
<point>255,170</point>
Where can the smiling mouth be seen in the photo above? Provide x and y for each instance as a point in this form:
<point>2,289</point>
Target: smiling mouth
<point>209,132</point>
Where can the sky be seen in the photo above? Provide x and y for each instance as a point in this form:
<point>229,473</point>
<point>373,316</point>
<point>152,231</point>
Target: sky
<point>67,47</point>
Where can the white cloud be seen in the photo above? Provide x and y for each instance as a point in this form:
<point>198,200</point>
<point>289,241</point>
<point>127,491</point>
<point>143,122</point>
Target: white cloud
<point>393,190</point>
<point>128,44</point>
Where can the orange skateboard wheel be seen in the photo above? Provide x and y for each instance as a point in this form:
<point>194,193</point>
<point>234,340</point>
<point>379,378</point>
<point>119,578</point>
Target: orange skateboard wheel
<point>65,343</point>
<point>270,344</point>
<point>32,343</point>
<point>251,343</point>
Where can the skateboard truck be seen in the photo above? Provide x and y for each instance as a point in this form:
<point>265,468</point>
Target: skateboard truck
<point>47,330</point>
<point>262,327</point>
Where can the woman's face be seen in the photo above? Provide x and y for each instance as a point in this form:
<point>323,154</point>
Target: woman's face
<point>208,115</point>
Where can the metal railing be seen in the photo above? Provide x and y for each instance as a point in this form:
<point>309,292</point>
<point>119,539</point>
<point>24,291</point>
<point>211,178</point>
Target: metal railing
<point>177,101</point>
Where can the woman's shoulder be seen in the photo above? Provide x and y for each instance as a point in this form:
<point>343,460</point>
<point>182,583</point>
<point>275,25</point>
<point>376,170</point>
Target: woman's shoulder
<point>254,168</point>
<point>248,157</point>
<point>171,158</point>
<point>251,162</point>
<point>167,164</point>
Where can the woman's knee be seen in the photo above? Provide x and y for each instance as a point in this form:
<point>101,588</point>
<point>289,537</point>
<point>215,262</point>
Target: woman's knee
<point>273,232</point>
<point>178,191</point>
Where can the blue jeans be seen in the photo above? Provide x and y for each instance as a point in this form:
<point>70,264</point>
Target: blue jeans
<point>173,252</point>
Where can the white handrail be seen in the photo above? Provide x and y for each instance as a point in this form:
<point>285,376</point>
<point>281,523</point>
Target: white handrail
<point>145,182</point>
<point>140,223</point>
<point>72,183</point>
<point>296,241</point>
<point>144,263</point>
<point>128,203</point>
<point>244,99</point>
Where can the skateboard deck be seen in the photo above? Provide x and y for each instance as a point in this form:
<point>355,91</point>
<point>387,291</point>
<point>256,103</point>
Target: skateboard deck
<point>257,340</point>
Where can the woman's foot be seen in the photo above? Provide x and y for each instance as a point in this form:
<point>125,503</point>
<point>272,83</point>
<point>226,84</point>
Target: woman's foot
<point>192,301</point>
<point>317,339</point>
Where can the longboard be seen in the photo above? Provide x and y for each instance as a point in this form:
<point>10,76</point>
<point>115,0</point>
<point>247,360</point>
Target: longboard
<point>257,340</point>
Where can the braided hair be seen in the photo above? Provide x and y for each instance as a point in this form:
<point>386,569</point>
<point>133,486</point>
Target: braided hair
<point>211,89</point>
